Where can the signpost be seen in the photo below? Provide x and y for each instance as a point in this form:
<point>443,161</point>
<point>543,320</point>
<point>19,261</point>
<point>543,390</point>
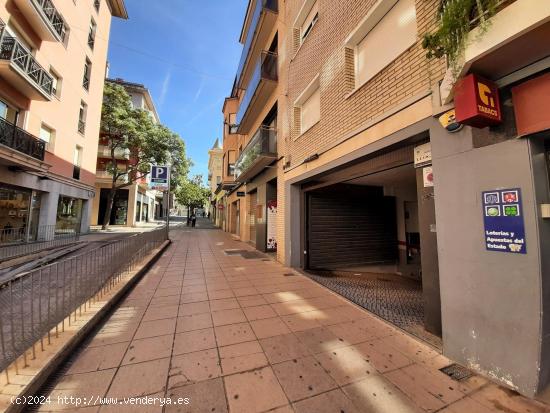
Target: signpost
<point>160,181</point>
<point>503,219</point>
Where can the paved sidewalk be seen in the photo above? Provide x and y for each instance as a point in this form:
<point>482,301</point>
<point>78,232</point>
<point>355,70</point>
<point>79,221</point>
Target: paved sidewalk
<point>241,335</point>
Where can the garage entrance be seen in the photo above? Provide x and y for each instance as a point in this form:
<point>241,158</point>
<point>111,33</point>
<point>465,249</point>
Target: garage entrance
<point>363,238</point>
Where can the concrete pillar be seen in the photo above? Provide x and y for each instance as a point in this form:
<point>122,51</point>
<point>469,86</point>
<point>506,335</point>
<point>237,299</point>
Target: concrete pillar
<point>86,213</point>
<point>48,215</point>
<point>132,199</point>
<point>261,221</point>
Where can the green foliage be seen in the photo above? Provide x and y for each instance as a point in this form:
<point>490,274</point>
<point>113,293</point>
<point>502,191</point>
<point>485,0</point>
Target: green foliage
<point>192,193</point>
<point>456,19</point>
<point>134,130</point>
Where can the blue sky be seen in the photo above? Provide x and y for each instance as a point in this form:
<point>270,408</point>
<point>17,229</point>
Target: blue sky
<point>186,52</point>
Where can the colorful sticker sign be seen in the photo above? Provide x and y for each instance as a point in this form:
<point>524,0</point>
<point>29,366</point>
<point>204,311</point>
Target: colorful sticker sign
<point>503,219</point>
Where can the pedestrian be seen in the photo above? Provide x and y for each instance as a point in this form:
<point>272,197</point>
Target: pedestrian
<point>193,220</point>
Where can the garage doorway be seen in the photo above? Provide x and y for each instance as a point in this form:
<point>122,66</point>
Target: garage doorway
<point>363,238</point>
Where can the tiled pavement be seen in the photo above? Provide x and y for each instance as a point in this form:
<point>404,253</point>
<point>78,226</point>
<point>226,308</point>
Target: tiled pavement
<point>239,335</point>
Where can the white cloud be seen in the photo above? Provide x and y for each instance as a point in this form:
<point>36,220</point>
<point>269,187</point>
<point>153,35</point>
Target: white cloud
<point>165,86</point>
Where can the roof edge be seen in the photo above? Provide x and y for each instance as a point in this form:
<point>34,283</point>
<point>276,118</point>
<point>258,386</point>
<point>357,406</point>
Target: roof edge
<point>118,9</point>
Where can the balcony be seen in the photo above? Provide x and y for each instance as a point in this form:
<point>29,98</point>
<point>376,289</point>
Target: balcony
<point>260,152</point>
<point>76,172</point>
<point>262,21</point>
<point>44,18</point>
<point>20,69</point>
<point>261,85</point>
<point>104,151</point>
<point>21,141</point>
<point>104,175</point>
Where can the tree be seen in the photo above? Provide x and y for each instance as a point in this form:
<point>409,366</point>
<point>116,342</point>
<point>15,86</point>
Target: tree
<point>192,193</point>
<point>133,132</point>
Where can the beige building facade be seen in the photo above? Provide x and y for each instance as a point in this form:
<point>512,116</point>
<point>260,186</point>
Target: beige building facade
<point>134,204</point>
<point>215,173</point>
<point>52,66</point>
<point>373,174</point>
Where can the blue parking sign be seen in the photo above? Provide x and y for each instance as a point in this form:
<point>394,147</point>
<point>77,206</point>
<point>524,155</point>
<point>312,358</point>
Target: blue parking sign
<point>160,177</point>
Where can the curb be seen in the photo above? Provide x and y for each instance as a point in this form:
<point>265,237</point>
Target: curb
<point>64,352</point>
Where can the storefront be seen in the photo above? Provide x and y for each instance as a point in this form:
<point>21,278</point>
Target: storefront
<point>69,214</point>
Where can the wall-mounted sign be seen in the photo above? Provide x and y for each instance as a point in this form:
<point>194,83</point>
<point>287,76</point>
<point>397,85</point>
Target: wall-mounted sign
<point>160,177</point>
<point>428,176</point>
<point>448,121</point>
<point>477,102</point>
<point>241,194</point>
<point>422,155</point>
<point>503,219</point>
<point>531,101</point>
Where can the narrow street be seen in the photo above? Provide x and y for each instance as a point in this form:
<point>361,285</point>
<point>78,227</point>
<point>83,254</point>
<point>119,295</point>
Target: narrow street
<point>233,334</point>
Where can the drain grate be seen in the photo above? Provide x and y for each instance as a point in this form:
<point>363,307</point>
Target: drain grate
<point>234,252</point>
<point>252,255</point>
<point>456,372</point>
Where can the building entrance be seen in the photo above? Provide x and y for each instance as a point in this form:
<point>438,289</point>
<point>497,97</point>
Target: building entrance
<point>363,235</point>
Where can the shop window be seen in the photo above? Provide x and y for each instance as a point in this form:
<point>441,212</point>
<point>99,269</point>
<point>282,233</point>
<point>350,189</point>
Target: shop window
<point>14,209</point>
<point>69,214</point>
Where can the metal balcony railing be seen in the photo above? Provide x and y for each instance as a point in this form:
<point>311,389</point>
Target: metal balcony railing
<point>262,145</point>
<point>97,3</point>
<point>76,172</point>
<point>53,17</point>
<point>20,58</point>
<point>20,140</point>
<point>266,69</point>
<point>260,7</point>
<point>81,127</point>
<point>86,81</point>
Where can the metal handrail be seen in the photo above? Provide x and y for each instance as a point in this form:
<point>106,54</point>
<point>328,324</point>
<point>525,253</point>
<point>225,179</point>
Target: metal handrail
<point>34,304</point>
<point>23,240</point>
<point>12,50</point>
<point>21,140</point>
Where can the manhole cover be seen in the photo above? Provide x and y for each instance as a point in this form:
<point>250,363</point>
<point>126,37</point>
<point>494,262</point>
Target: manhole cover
<point>456,372</point>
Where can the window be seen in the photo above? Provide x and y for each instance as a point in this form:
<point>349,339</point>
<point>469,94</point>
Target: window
<point>47,134</point>
<point>87,74</point>
<point>97,3</point>
<point>91,34</point>
<point>309,22</point>
<point>56,83</point>
<point>82,118</point>
<point>231,163</point>
<point>8,113</point>
<point>309,105</point>
<point>395,29</point>
<point>77,161</point>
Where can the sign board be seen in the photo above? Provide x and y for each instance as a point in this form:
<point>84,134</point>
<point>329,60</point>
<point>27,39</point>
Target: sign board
<point>272,225</point>
<point>240,194</point>
<point>422,155</point>
<point>477,102</point>
<point>531,100</point>
<point>428,175</point>
<point>160,177</point>
<point>503,221</point>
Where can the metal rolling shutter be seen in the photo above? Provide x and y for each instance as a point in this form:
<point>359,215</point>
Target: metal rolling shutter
<point>252,216</point>
<point>348,229</point>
